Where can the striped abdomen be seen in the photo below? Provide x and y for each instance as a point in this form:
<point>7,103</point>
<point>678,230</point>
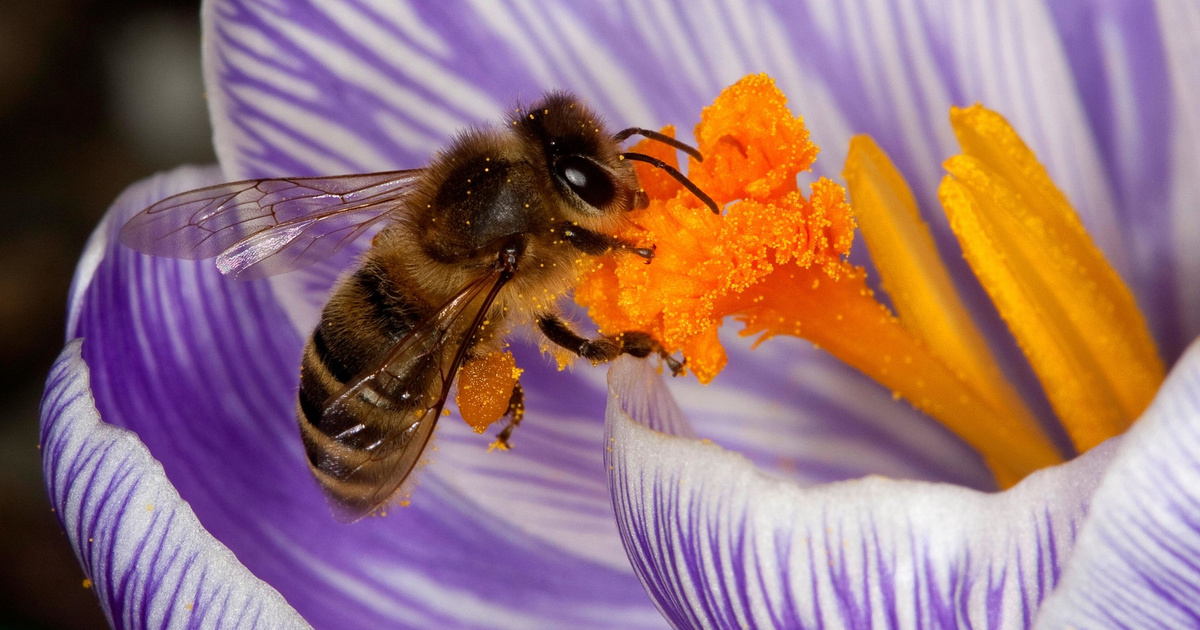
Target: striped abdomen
<point>366,316</point>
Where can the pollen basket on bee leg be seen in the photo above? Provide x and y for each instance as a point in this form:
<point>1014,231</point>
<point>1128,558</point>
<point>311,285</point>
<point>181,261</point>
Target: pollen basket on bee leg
<point>485,387</point>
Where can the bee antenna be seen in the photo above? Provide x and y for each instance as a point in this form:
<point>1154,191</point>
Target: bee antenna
<point>679,177</point>
<point>622,135</point>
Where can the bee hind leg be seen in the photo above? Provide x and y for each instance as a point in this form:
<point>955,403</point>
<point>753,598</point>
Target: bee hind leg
<point>606,347</point>
<point>516,411</point>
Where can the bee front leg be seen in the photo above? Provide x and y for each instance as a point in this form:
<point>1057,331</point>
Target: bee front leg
<point>516,411</point>
<point>595,243</point>
<point>607,347</point>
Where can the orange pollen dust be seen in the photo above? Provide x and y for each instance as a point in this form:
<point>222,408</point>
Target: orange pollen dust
<point>485,387</point>
<point>707,267</point>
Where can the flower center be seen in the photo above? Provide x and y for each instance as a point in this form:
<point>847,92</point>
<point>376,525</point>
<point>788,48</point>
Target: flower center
<point>775,261</point>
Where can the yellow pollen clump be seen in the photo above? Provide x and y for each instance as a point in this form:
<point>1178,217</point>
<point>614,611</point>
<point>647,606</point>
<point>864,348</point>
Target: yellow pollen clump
<point>485,386</point>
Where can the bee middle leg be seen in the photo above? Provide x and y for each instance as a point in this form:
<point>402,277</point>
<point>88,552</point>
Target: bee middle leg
<point>516,411</point>
<point>606,347</point>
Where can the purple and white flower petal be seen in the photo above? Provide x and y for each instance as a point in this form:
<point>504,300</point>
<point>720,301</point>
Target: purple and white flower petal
<point>790,408</point>
<point>203,370</point>
<point>150,561</point>
<point>1132,63</point>
<point>1136,562</point>
<point>720,544</point>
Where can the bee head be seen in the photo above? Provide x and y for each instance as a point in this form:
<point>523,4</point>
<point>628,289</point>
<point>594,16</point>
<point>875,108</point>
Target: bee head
<point>581,158</point>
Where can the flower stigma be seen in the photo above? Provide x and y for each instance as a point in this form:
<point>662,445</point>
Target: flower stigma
<point>775,260</point>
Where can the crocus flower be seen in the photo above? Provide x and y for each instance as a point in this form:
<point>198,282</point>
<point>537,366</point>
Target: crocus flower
<point>168,429</point>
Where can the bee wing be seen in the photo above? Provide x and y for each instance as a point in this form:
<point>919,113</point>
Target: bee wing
<point>375,429</point>
<point>261,227</point>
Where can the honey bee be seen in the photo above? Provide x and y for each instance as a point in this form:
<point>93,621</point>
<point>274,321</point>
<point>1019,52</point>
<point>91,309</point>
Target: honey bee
<point>489,235</point>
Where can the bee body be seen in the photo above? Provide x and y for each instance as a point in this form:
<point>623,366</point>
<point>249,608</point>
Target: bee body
<point>491,234</point>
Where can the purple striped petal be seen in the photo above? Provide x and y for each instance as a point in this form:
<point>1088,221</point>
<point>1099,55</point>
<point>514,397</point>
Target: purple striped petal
<point>817,420</point>
<point>204,370</point>
<point>720,544</point>
<point>1132,63</point>
<point>1137,561</point>
<point>1180,26</point>
<point>315,87</point>
<point>151,562</point>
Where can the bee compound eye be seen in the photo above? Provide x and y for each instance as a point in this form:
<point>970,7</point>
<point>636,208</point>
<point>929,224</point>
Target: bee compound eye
<point>586,179</point>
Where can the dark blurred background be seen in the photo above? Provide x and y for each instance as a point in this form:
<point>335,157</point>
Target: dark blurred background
<point>93,96</point>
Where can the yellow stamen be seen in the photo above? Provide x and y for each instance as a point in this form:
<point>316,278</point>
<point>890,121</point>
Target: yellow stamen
<point>1074,318</point>
<point>916,280</point>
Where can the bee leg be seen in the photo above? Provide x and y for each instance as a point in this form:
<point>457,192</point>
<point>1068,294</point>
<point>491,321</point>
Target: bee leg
<point>640,344</point>
<point>588,241</point>
<point>595,243</point>
<point>607,347</point>
<point>516,411</point>
<point>675,365</point>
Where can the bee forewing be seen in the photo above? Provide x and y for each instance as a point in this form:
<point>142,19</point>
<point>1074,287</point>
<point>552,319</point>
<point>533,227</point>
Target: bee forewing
<point>261,227</point>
